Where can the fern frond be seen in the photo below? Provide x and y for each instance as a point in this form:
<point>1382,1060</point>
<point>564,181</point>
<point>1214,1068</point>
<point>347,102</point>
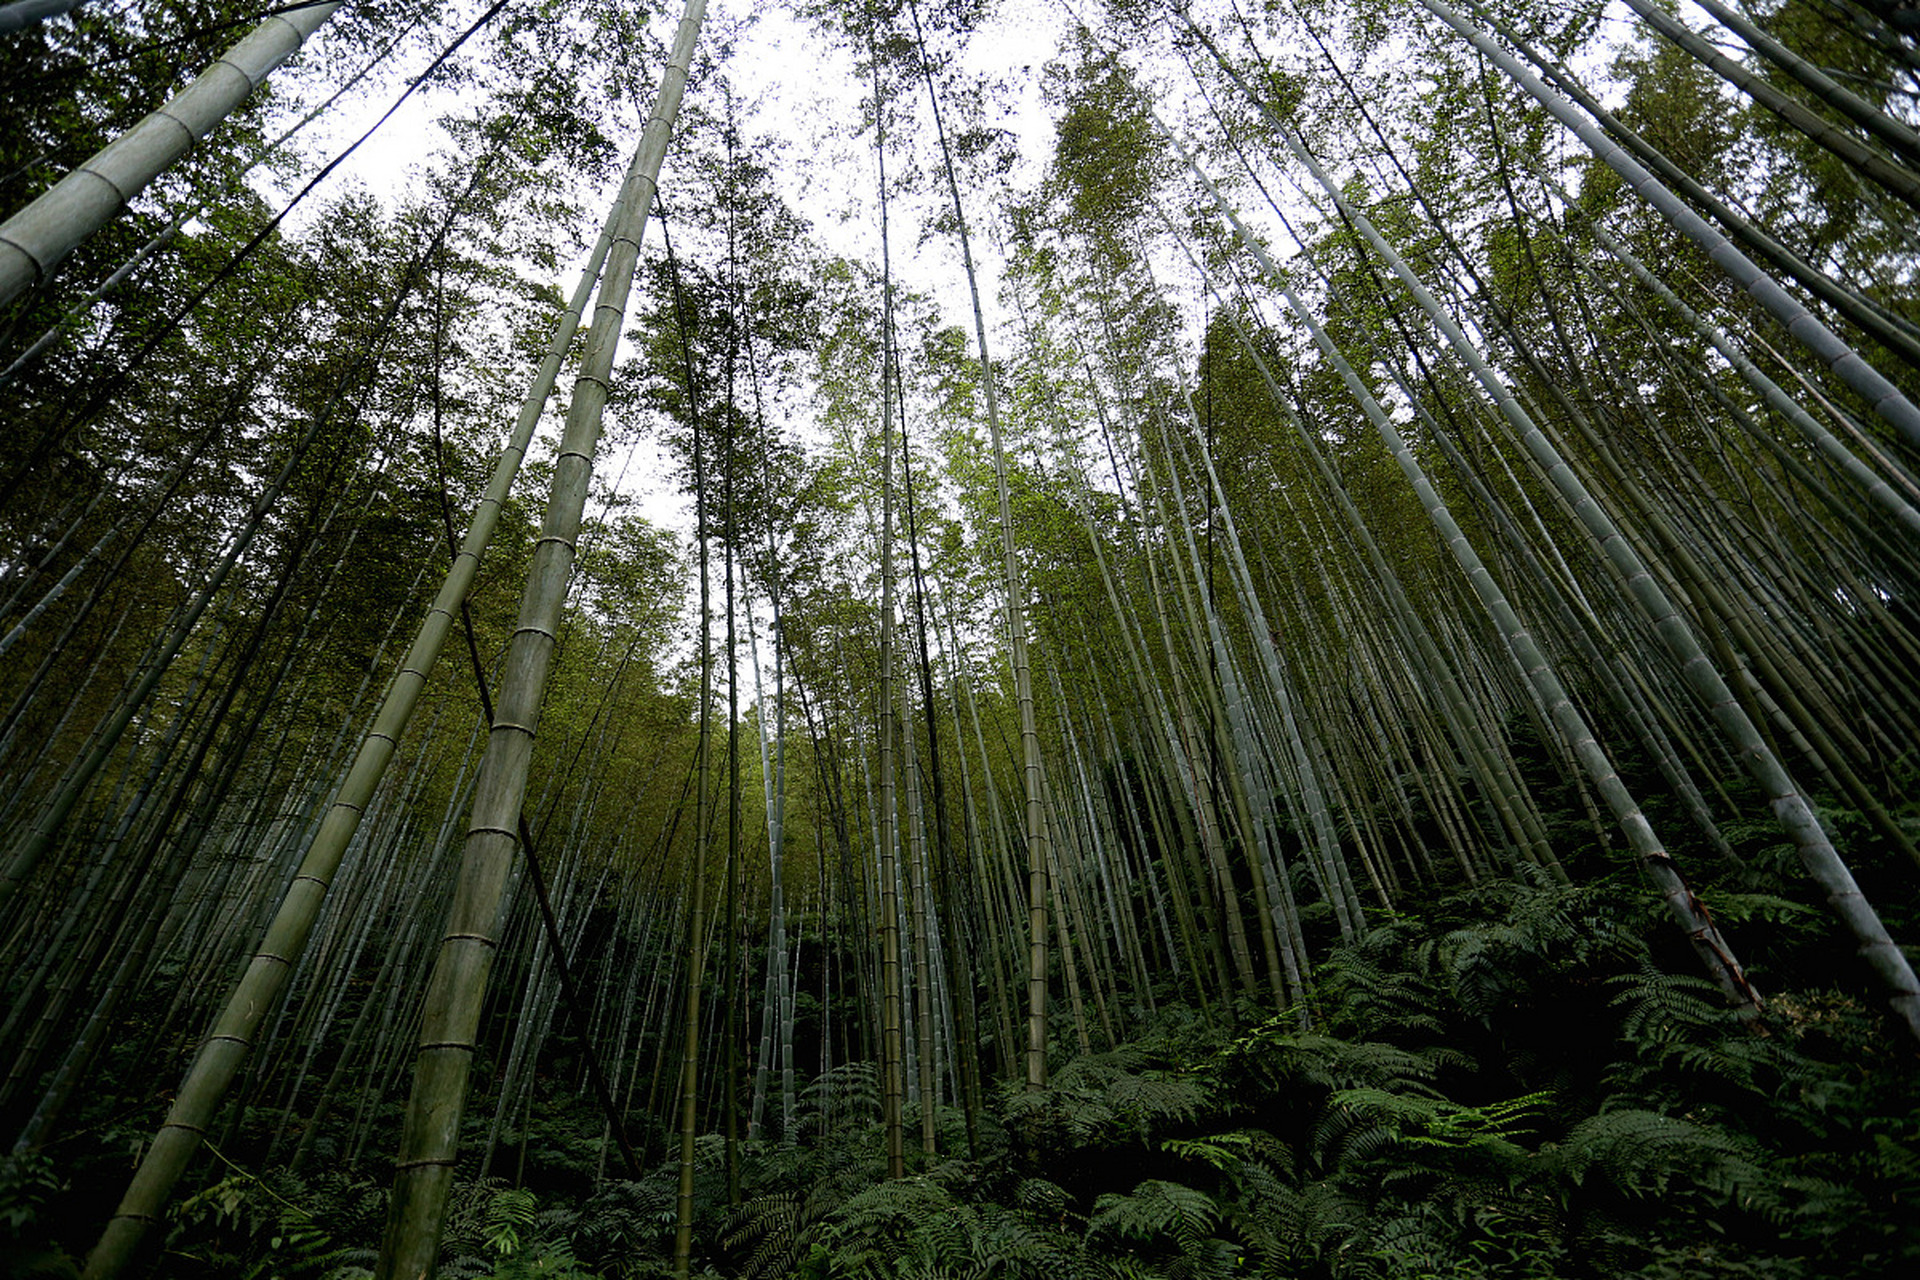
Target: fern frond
<point>770,1224</point>
<point>873,1226</point>
<point>1360,1125</point>
<point>1322,1218</point>
<point>1369,990</point>
<point>845,1095</point>
<point>1289,1059</point>
<point>1156,1210</point>
<point>1042,1198</point>
<point>1659,1004</point>
<point>1417,1242</point>
<point>1646,1153</point>
<point>1155,1096</point>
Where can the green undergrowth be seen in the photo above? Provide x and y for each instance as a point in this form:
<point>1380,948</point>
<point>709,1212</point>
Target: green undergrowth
<point>1518,1082</point>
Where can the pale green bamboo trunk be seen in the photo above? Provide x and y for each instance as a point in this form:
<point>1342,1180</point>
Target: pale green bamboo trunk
<point>457,989</point>
<point>1032,782</point>
<point>33,241</point>
<point>234,1031</point>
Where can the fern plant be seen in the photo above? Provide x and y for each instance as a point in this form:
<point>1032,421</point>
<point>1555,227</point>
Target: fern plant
<point>1106,1098</point>
<point>1154,1209</point>
<point>1648,1154</point>
<point>256,1229</point>
<point>1361,1123</point>
<point>498,1232</point>
<point>986,1240</point>
<point>873,1226</point>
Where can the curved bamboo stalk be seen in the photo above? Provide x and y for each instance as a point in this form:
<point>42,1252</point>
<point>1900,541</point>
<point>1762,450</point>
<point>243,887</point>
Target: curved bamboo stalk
<point>24,13</point>
<point>1902,182</point>
<point>1896,332</point>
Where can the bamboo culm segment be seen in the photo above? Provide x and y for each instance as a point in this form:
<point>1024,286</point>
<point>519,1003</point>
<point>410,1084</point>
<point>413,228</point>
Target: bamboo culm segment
<point>33,241</point>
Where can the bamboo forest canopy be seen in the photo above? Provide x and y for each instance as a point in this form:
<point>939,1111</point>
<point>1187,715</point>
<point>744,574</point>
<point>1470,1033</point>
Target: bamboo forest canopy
<point>928,637</point>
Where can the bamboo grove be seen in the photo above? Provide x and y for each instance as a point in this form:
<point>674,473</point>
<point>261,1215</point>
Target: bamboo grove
<point>975,640</point>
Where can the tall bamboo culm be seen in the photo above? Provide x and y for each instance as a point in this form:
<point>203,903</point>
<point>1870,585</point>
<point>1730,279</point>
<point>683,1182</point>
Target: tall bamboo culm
<point>457,988</point>
<point>1036,813</point>
<point>232,1038</point>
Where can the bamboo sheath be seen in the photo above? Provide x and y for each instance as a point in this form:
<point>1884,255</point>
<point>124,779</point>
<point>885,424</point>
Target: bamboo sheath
<point>33,241</point>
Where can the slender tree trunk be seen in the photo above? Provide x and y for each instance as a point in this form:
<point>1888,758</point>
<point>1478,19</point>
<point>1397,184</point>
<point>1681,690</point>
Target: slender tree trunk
<point>1032,783</point>
<point>458,986</point>
<point>259,989</point>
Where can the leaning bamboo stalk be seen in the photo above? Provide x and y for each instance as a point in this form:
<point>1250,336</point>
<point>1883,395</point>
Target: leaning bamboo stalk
<point>893,1062</point>
<point>167,856</point>
<point>1817,854</point>
<point>975,857</point>
<point>1814,735</point>
<point>926,1003</point>
<point>1877,489</point>
<point>1338,888</point>
<point>1868,382</point>
<point>259,989</point>
<point>33,241</point>
<point>1896,134</point>
<point>1902,182</point>
<point>76,314</point>
<point>1195,763</point>
<point>1685,907</point>
<point>1464,722</point>
<point>22,14</point>
<point>35,842</point>
<point>1235,761</point>
<point>457,988</point>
